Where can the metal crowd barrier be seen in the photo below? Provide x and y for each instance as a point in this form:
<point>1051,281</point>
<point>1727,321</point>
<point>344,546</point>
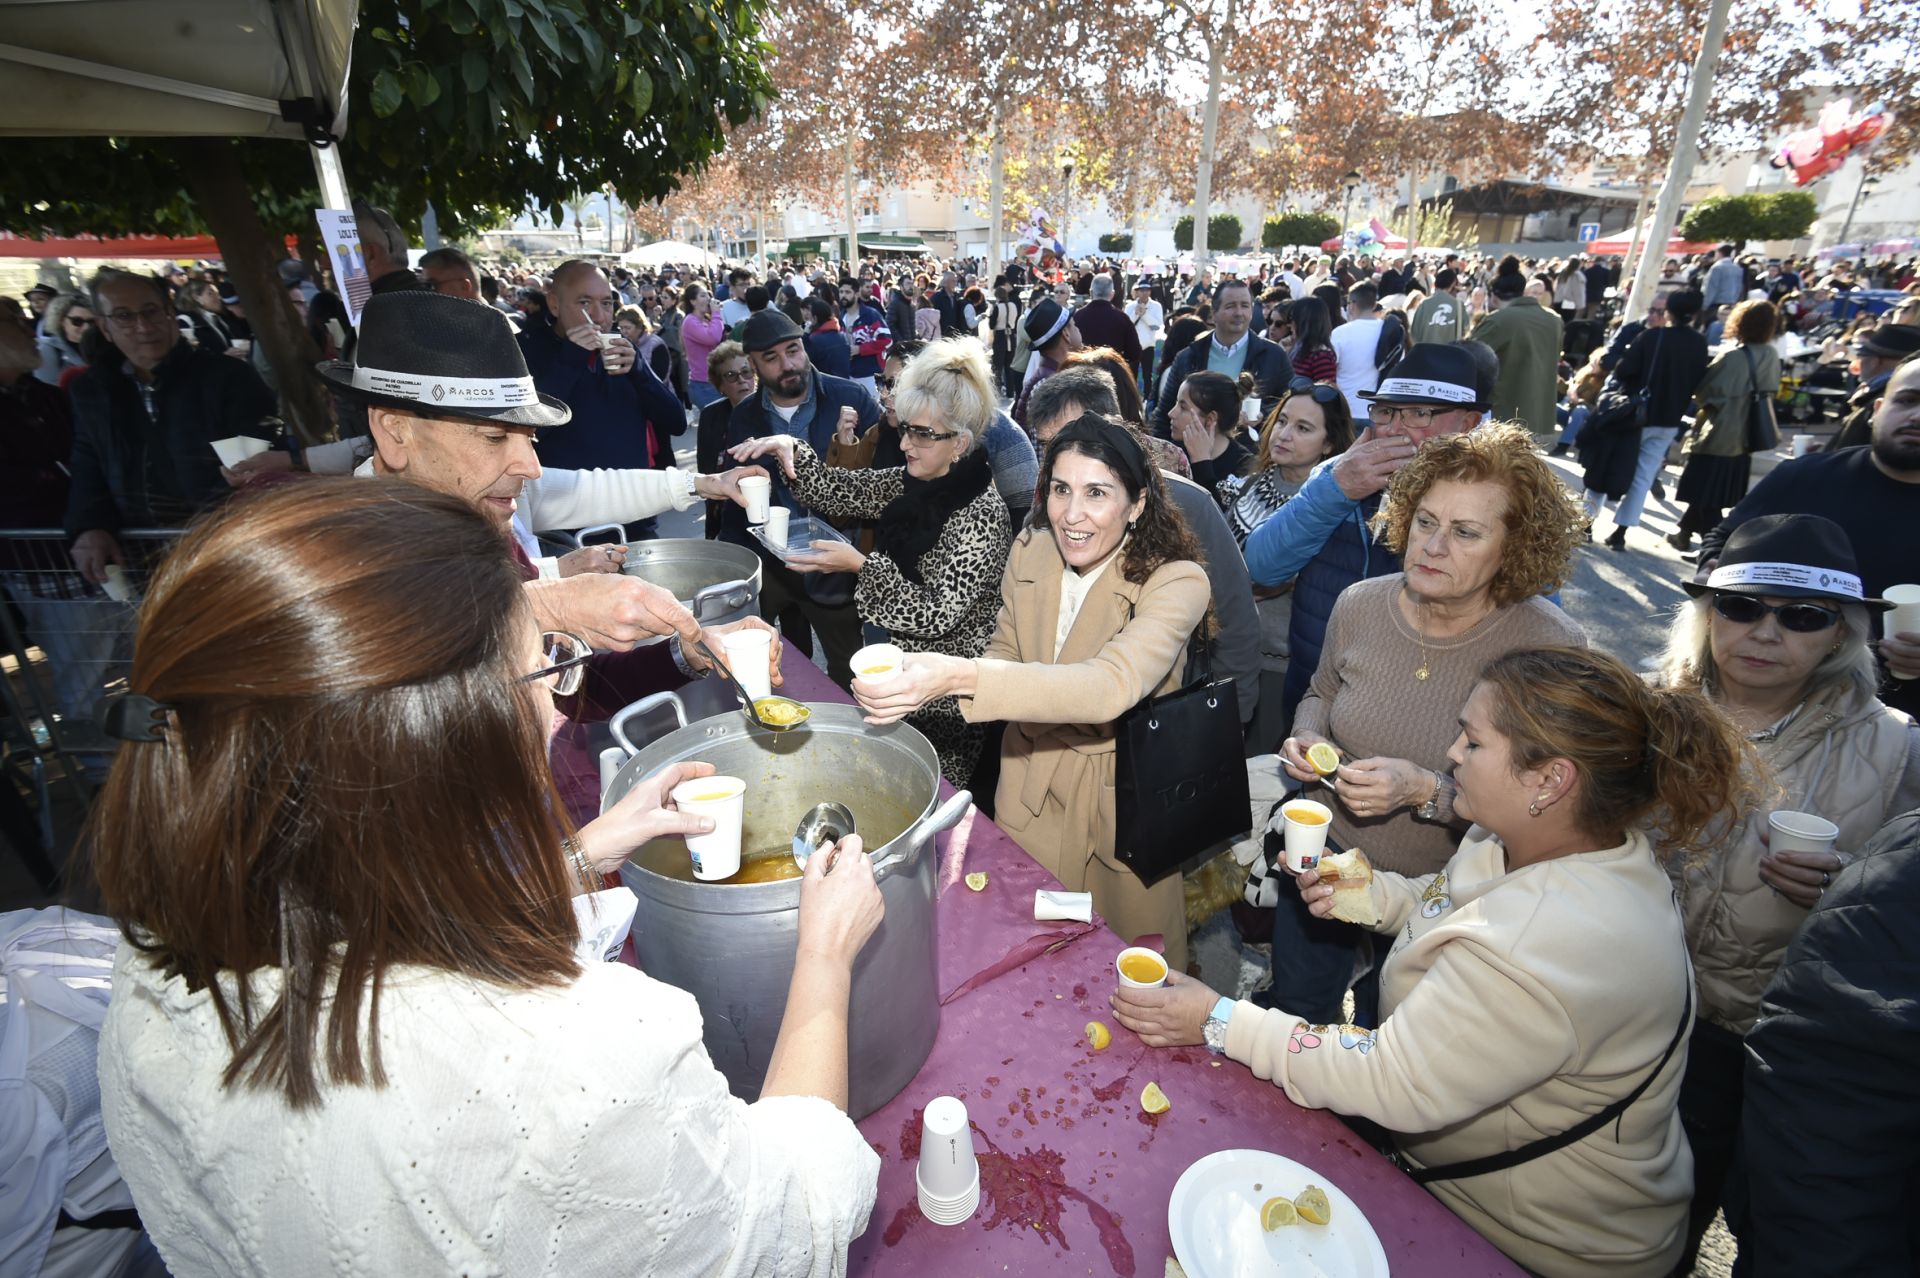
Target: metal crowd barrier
<point>64,643</point>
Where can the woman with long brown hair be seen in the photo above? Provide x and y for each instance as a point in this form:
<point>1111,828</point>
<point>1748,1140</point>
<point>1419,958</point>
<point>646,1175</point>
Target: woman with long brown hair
<point>1741,379</point>
<point>349,1028</point>
<point>1102,591</point>
<point>1536,993</point>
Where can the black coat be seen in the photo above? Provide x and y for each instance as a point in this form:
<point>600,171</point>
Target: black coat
<point>1610,458</point>
<point>133,471</point>
<point>1668,363</point>
<point>1832,1118</point>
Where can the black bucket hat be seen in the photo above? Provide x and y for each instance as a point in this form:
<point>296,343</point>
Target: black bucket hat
<point>1789,557</point>
<point>444,356</point>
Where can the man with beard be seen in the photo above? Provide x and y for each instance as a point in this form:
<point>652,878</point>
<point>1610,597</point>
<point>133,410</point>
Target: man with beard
<point>1874,494</point>
<point>866,332</point>
<point>796,399</point>
<point>452,407</point>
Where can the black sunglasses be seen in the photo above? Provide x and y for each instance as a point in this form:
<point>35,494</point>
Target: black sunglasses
<point>1801,618</point>
<point>1321,392</point>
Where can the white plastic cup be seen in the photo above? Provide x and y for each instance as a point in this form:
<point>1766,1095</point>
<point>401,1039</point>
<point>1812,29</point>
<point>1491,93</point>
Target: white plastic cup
<point>748,653</point>
<point>244,345</point>
<point>118,587</point>
<point>1139,954</point>
<point>758,490</point>
<point>776,530</point>
<point>1304,831</point>
<point>1904,618</point>
<point>1802,445</point>
<point>948,1166</point>
<point>716,854</point>
<point>1800,832</point>
<point>878,662</point>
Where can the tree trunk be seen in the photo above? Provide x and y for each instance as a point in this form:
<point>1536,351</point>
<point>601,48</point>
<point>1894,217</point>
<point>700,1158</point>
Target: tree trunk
<point>1209,130</point>
<point>997,193</point>
<point>1413,211</point>
<point>1667,211</point>
<point>211,167</point>
<point>853,213</point>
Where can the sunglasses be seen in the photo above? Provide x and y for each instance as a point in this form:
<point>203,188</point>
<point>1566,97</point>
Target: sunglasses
<point>1801,618</point>
<point>921,435</point>
<point>1320,392</point>
<point>566,657</point>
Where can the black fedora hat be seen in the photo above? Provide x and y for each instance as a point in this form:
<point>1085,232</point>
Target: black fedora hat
<point>1045,322</point>
<point>1890,341</point>
<point>445,357</point>
<point>1789,557</point>
<point>1436,373</point>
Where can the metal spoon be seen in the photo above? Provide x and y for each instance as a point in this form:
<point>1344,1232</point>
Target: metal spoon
<point>754,706</point>
<point>823,825</point>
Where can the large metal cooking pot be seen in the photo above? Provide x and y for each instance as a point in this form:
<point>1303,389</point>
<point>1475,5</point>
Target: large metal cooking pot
<point>731,944</point>
<point>718,581</point>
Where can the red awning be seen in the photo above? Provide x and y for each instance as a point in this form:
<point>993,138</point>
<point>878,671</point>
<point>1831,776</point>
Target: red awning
<point>153,246</point>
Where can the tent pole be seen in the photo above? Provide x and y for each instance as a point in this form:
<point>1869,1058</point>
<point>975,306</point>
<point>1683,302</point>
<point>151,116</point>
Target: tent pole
<point>333,177</point>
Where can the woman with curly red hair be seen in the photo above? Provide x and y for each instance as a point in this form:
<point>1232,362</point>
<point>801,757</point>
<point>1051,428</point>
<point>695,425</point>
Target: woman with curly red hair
<point>1484,529</point>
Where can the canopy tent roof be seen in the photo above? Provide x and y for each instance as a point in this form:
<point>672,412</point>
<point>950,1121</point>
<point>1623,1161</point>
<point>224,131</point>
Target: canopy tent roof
<point>179,248</point>
<point>677,252</point>
<point>137,68</point>
<point>893,243</point>
<point>1620,243</point>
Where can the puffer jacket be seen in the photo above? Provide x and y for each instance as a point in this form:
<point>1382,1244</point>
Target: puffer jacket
<point>1846,757</point>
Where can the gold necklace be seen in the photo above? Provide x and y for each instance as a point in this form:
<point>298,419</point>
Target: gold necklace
<point>1421,672</point>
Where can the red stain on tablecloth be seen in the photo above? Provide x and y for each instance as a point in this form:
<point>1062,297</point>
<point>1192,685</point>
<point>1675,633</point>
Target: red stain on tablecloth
<point>1027,1191</point>
<point>904,1219</point>
<point>1112,1090</point>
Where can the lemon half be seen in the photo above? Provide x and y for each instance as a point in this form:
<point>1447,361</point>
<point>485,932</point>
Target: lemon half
<point>1313,1206</point>
<point>977,880</point>
<point>1276,1213</point>
<point>1098,1036</point>
<point>1153,1100</point>
<point>1324,758</point>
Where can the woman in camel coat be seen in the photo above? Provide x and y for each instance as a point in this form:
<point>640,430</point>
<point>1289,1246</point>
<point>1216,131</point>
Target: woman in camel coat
<point>1101,594</point>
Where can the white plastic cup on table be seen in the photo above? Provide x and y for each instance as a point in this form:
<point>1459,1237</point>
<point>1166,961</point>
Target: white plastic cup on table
<point>1139,968</point>
<point>1802,445</point>
<point>237,448</point>
<point>748,653</point>
<point>777,517</point>
<point>948,1174</point>
<point>1800,832</point>
<point>877,662</point>
<point>716,854</point>
<point>1904,618</point>
<point>758,490</point>
<point>1304,832</point>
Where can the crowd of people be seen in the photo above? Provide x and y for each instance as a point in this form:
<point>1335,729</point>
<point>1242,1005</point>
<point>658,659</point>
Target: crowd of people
<point>1579,994</point>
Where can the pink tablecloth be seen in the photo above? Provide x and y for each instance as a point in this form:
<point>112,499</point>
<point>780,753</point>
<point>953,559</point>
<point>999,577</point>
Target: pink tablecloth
<point>1075,1178</point>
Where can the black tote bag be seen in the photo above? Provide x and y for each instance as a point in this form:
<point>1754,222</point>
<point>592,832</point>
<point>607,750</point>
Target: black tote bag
<point>1179,775</point>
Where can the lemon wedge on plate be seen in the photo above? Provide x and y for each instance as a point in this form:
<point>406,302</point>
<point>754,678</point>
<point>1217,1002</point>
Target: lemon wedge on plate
<point>1277,1213</point>
<point>977,880</point>
<point>1324,758</point>
<point>1153,1100</point>
<point>1313,1206</point>
<point>1098,1036</point>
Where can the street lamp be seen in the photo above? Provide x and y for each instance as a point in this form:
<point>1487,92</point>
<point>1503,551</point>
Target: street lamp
<point>1866,184</point>
<point>1352,180</point>
<point>1066,211</point>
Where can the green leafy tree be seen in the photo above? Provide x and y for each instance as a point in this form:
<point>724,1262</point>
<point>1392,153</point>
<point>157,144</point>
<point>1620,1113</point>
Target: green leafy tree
<point>483,107</point>
<point>1119,243</point>
<point>1223,232</point>
<point>1784,215</point>
<point>1306,229</point>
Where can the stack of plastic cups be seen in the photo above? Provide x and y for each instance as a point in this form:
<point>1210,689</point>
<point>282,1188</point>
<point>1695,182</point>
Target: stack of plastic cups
<point>948,1176</point>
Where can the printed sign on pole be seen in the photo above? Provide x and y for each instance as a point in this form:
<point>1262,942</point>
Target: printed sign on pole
<point>1589,232</point>
<point>341,234</point>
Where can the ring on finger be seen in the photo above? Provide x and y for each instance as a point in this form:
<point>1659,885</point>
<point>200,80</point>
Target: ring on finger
<point>1826,879</point>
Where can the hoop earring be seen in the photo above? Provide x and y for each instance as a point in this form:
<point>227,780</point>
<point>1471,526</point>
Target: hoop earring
<point>1533,809</point>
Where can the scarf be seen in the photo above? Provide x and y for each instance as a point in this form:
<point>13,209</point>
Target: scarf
<point>911,523</point>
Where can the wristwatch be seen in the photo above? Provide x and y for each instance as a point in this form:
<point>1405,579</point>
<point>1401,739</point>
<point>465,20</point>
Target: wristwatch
<point>1431,808</point>
<point>1214,1032</point>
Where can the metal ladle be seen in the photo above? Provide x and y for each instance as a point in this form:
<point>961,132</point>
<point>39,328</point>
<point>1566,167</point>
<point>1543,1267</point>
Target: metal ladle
<point>824,824</point>
<point>754,705</point>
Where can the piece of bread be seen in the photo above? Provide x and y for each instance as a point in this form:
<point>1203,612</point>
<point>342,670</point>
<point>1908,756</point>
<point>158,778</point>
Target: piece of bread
<point>1351,879</point>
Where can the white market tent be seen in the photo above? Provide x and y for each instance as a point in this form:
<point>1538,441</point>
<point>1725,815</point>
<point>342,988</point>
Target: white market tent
<point>678,252</point>
<point>175,68</point>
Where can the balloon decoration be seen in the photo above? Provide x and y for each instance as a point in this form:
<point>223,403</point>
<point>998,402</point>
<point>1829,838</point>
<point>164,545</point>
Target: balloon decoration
<point>1813,153</point>
<point>1038,246</point>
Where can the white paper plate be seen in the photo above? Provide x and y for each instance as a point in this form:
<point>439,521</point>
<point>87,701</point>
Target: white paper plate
<point>1214,1217</point>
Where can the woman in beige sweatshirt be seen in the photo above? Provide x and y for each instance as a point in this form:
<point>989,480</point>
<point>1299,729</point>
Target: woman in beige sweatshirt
<point>1538,982</point>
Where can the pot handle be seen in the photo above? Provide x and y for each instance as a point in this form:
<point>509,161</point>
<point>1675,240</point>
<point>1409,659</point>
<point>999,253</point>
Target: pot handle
<point>618,724</point>
<point>944,817</point>
<point>619,532</point>
<point>719,600</point>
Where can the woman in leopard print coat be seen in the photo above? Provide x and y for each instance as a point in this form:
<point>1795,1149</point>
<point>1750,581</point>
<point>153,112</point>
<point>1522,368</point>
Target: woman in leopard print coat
<point>941,538</point>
